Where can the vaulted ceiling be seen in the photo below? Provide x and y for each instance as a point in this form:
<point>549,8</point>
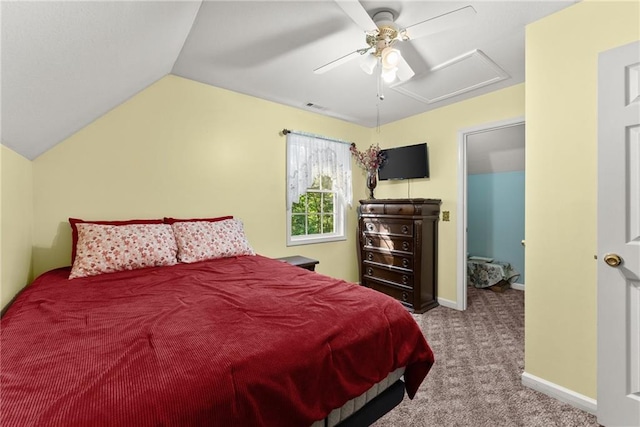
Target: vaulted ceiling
<point>66,63</point>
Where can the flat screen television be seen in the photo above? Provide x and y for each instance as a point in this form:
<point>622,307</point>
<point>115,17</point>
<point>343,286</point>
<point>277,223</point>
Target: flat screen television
<point>411,161</point>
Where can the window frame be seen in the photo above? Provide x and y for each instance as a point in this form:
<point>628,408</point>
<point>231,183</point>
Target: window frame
<point>339,221</point>
<point>314,156</point>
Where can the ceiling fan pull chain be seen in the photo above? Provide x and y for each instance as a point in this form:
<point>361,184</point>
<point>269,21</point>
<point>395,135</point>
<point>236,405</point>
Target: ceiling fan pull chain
<point>379,80</point>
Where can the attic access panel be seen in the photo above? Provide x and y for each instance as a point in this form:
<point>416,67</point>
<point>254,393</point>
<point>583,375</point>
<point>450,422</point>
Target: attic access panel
<point>463,74</point>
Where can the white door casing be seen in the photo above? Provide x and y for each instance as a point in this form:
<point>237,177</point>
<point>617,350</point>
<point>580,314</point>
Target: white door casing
<point>461,261</point>
<point>619,235</point>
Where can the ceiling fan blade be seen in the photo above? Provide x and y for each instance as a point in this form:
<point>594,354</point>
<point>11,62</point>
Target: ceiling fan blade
<point>455,18</point>
<point>336,62</point>
<point>405,72</point>
<point>358,14</point>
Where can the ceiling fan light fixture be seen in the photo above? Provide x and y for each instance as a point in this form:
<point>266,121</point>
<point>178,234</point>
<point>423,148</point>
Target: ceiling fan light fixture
<point>368,64</point>
<point>389,74</point>
<point>390,57</point>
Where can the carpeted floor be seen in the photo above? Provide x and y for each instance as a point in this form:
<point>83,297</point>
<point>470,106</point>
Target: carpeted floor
<point>476,378</point>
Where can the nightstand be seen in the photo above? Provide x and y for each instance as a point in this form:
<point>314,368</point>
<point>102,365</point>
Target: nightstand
<point>300,261</point>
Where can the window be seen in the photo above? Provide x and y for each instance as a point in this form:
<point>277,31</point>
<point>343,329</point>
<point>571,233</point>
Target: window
<point>315,212</point>
<point>319,188</point>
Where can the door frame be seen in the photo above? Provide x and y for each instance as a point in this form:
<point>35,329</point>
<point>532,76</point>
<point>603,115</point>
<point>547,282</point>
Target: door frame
<point>461,262</point>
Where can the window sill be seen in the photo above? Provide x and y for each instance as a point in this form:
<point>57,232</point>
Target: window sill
<point>307,240</point>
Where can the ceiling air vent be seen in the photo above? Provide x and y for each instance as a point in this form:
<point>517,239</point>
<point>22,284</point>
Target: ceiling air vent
<point>315,106</point>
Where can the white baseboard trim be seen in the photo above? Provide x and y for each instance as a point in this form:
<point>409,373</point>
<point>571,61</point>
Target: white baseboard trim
<point>449,304</point>
<point>560,393</point>
<point>518,286</point>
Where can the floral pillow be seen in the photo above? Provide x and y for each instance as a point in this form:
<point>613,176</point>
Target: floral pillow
<point>202,240</point>
<point>74,229</point>
<point>110,248</point>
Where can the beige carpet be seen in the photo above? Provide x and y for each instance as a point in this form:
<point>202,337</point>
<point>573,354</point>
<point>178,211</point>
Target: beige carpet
<point>476,378</point>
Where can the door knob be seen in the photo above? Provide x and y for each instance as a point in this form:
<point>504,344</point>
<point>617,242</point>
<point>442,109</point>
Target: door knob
<point>612,260</point>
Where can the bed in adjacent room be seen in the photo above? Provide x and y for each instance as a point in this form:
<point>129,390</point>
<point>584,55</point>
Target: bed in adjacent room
<point>485,272</point>
<point>232,339</point>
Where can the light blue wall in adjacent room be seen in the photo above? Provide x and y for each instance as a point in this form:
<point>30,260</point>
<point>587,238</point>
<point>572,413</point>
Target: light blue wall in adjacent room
<point>495,209</point>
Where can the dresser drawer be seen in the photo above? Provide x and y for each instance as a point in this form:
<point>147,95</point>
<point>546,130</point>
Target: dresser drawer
<point>390,209</point>
<point>372,209</point>
<point>389,259</point>
<point>400,278</point>
<point>402,295</point>
<point>388,243</point>
<point>400,228</point>
<point>401,209</point>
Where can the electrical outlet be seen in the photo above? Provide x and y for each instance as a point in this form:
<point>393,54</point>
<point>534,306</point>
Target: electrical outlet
<point>445,215</point>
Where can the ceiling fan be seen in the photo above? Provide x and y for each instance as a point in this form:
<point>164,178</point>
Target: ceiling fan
<point>381,36</point>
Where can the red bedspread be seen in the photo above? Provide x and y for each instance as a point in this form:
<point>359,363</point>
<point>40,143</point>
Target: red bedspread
<point>246,341</point>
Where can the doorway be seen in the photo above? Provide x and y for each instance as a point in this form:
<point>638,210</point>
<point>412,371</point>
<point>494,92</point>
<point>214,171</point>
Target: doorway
<point>483,150</point>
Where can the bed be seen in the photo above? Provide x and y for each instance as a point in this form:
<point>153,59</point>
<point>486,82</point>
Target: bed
<point>487,272</point>
<point>239,340</point>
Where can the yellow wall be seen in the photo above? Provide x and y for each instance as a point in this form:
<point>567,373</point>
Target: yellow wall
<point>16,191</point>
<point>174,150</point>
<point>561,163</point>
<point>185,149</point>
<point>439,129</point>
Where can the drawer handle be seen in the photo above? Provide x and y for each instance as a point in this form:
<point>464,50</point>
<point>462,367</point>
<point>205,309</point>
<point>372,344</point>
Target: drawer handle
<point>405,246</point>
<point>370,271</point>
<point>369,242</point>
<point>405,263</point>
<point>405,229</point>
<point>369,226</point>
<point>370,256</point>
<point>405,296</point>
<point>405,279</point>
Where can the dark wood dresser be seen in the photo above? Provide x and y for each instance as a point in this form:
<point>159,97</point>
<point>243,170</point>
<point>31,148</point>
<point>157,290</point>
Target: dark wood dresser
<point>398,249</point>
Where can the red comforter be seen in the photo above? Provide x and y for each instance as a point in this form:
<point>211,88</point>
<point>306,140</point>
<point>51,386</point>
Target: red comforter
<point>246,341</point>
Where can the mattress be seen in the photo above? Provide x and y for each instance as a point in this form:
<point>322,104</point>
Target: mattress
<point>345,411</point>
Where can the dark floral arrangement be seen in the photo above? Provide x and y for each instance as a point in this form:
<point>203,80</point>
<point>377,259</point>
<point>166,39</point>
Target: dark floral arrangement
<point>370,159</point>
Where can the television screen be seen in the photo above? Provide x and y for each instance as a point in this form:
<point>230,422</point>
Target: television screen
<point>407,162</point>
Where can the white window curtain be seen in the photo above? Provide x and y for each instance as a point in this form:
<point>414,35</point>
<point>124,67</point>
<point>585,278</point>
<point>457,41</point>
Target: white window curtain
<point>309,156</point>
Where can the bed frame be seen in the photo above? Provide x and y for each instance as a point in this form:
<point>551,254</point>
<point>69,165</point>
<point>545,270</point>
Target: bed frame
<point>376,408</point>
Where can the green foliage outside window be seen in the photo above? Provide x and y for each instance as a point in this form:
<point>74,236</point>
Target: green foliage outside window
<point>314,213</point>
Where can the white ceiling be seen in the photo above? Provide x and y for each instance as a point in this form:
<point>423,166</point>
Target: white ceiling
<point>497,150</point>
<point>66,63</point>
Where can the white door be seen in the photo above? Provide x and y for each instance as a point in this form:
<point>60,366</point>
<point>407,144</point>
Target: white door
<point>619,236</point>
